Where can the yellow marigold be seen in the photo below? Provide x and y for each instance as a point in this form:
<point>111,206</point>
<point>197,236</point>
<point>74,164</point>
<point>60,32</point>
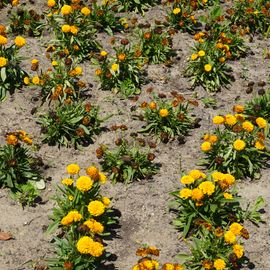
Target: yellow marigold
<point>196,174</point>
<point>106,201</point>
<point>35,80</point>
<point>19,41</point>
<point>83,245</point>
<point>67,181</point>
<point>218,120</point>
<point>115,67</point>
<point>238,250</point>
<point>85,11</point>
<point>66,10</point>
<point>176,11</point>
<point>54,63</point>
<point>65,28</point>
<point>102,178</point>
<point>207,67</point>
<point>71,198</point>
<point>185,193</point>
<point>238,108</point>
<point>15,2</point>
<point>98,72</point>
<point>27,140</point>
<point>96,249</point>
<point>163,112</point>
<point>218,176</point>
<point>152,105</point>
<point>213,138</point>
<point>103,53</point>
<point>96,208</point>
<point>248,126</point>
<point>34,61</point>
<point>67,220</point>
<point>84,183</point>
<point>239,145</point>
<point>78,70</point>
<point>227,195</point>
<point>12,139</point>
<point>230,237</point>
<point>236,228</point>
<point>94,226</point>
<point>206,146</point>
<point>26,80</point>
<point>121,57</point>
<point>187,180</point>
<point>230,119</point>
<point>51,3</point>
<point>72,216</point>
<point>93,172</point>
<point>74,29</point>
<point>261,122</point>
<point>219,264</point>
<point>207,187</point>
<point>3,61</point>
<point>194,56</point>
<point>201,53</point>
<point>73,169</point>
<point>230,179</point>
<point>3,40</point>
<point>197,194</point>
<point>259,145</point>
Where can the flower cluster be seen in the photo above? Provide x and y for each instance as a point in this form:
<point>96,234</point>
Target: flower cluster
<point>83,214</point>
<point>237,144</point>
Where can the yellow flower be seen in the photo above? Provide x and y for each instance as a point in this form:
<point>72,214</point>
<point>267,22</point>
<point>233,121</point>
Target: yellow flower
<point>15,3</point>
<point>106,201</point>
<point>194,56</point>
<point>96,208</point>
<point>240,117</point>
<point>84,183</point>
<point>218,176</point>
<point>72,216</point>
<point>93,172</point>
<point>207,187</point>
<point>12,140</point>
<point>163,112</point>
<point>261,122</point>
<point>35,80</point>
<point>196,174</point>
<point>74,29</point>
<point>67,181</point>
<point>230,179</point>
<point>201,53</point>
<point>259,145</point>
<point>207,67</point>
<point>66,10</point>
<point>85,11</point>
<point>239,145</point>
<point>227,195</point>
<point>176,11</point>
<point>83,245</point>
<point>34,61</point>
<point>230,237</point>
<point>238,108</point>
<point>78,70</point>
<point>219,264</point>
<point>236,228</point>
<point>102,178</point>
<point>98,72</point>
<point>3,40</point>
<point>185,193</point>
<point>213,138</point>
<point>96,249</point>
<point>26,80</point>
<point>230,119</point>
<point>51,3</point>
<point>3,61</point>
<point>103,53</point>
<point>187,180</point>
<point>94,226</point>
<point>66,28</point>
<point>206,146</point>
<point>115,67</point>
<point>197,194</point>
<point>54,63</point>
<point>248,126</point>
<point>73,169</point>
<point>71,198</point>
<point>19,41</point>
<point>238,250</point>
<point>218,120</point>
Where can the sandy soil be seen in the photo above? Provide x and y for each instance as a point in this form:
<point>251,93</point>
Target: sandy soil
<point>143,205</point>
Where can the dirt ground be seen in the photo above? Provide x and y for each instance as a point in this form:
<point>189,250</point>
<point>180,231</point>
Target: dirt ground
<point>143,205</point>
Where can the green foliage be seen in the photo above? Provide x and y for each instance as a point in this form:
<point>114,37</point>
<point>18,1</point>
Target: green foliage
<point>136,5</point>
<point>71,124</point>
<point>127,162</point>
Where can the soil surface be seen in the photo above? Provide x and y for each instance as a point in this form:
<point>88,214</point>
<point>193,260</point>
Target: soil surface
<point>145,217</point>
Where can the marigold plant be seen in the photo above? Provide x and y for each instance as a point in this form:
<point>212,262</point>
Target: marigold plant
<point>167,118</point>
<point>84,217</point>
<point>136,5</point>
<point>71,124</point>
<point>237,145</point>
<point>127,162</point>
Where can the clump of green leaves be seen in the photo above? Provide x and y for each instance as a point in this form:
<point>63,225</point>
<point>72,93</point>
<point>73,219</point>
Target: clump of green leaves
<point>127,162</point>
